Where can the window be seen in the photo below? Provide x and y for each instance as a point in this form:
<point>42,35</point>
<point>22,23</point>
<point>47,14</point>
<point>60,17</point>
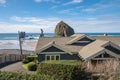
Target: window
<point>105,55</point>
<point>108,56</point>
<point>57,57</point>
<point>47,57</point>
<point>52,57</point>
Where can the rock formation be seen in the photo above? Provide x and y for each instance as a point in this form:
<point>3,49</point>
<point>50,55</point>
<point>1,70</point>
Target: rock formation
<point>63,30</point>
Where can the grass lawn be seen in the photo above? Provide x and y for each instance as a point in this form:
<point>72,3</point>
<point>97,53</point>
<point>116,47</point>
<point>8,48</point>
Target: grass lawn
<point>25,66</point>
<point>66,62</point>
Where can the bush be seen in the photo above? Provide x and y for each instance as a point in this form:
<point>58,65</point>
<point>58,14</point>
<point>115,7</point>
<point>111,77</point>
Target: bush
<point>32,66</point>
<point>29,59</point>
<point>62,72</point>
<point>21,76</point>
<point>25,61</point>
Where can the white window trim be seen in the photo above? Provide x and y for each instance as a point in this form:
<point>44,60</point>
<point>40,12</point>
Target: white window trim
<point>50,57</point>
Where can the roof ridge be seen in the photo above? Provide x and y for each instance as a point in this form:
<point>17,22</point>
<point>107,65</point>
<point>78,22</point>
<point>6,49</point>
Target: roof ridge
<point>92,48</point>
<point>75,39</point>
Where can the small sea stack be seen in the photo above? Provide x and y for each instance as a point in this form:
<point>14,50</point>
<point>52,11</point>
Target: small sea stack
<point>63,30</point>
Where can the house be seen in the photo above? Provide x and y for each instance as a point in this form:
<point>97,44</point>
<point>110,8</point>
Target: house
<point>78,47</point>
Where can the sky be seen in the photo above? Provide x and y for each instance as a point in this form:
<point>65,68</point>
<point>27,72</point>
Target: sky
<point>82,15</point>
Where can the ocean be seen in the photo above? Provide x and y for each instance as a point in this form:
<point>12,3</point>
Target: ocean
<point>14,36</point>
<point>10,40</point>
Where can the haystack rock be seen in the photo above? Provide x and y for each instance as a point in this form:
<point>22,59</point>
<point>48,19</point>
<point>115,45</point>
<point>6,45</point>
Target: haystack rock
<point>63,30</point>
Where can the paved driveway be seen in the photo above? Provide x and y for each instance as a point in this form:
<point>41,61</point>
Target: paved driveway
<point>16,67</point>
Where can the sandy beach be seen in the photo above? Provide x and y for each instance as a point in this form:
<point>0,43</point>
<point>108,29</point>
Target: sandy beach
<point>14,44</point>
<point>10,51</point>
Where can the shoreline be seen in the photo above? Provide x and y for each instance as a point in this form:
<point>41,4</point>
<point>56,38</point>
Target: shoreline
<point>28,45</point>
<point>15,51</point>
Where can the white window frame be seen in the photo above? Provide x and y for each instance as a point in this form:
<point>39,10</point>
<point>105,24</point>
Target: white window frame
<point>51,56</point>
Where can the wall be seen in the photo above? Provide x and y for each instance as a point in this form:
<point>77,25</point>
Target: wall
<point>41,57</point>
<point>69,57</point>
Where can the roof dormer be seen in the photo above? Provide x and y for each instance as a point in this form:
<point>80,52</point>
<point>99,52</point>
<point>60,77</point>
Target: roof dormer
<point>80,39</point>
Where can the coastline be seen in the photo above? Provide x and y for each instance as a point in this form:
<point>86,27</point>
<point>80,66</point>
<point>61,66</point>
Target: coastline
<point>14,44</point>
<point>12,47</point>
<point>30,44</point>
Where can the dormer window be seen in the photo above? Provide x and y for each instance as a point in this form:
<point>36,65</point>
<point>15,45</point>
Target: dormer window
<point>81,40</point>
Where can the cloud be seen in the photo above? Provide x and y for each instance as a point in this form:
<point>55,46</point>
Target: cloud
<point>14,28</point>
<point>103,6</point>
<point>89,9</point>
<point>73,2</point>
<point>70,12</point>
<point>78,25</point>
<point>38,1</point>
<point>65,11</point>
<point>110,16</point>
<point>34,24</point>
<point>95,25</point>
<point>36,20</point>
<point>19,19</point>
<point>54,7</point>
<point>2,2</point>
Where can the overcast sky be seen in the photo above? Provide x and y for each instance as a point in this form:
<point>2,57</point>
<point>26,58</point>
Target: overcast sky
<point>82,15</point>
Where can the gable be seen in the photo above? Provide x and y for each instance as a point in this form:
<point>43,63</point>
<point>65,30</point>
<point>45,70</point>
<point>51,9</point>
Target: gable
<point>52,49</point>
<point>105,55</point>
<point>113,49</point>
<point>85,39</point>
<point>82,41</point>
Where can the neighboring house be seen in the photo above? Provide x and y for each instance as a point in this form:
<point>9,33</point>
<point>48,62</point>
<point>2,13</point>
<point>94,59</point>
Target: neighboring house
<point>78,47</point>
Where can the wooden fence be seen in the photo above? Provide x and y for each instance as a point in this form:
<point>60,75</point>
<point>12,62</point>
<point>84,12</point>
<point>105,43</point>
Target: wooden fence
<point>6,59</point>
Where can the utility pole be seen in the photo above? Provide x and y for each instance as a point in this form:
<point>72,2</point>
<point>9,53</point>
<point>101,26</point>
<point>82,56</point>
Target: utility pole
<point>20,42</point>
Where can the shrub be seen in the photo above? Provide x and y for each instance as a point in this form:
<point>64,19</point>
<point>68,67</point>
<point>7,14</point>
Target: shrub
<point>62,72</point>
<point>25,61</point>
<point>32,66</point>
<point>29,59</point>
<point>20,76</point>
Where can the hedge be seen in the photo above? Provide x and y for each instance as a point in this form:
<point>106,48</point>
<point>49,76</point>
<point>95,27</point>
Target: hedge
<point>30,59</point>
<point>62,72</point>
<point>25,61</point>
<point>20,76</point>
<point>32,66</point>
